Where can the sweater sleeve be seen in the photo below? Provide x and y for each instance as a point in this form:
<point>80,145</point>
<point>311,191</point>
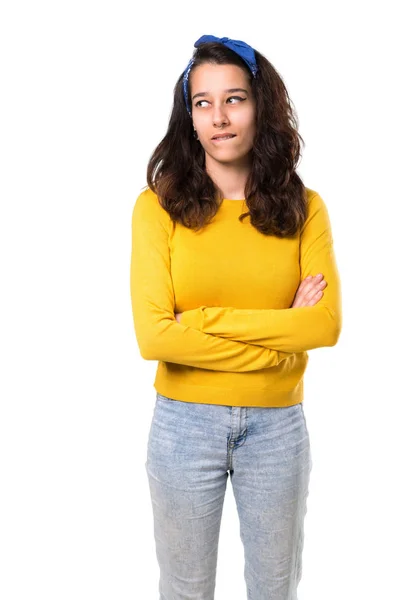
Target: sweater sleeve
<point>291,329</point>
<point>159,335</point>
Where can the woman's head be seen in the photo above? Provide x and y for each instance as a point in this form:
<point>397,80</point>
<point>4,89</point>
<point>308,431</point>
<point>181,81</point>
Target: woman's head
<point>260,115</point>
<point>223,103</point>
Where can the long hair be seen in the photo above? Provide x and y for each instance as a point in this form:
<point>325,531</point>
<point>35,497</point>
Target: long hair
<point>275,195</point>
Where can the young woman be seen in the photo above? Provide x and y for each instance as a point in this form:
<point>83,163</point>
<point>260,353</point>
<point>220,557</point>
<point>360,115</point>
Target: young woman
<point>233,280</point>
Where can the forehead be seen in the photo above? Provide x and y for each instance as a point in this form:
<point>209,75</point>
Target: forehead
<point>212,78</point>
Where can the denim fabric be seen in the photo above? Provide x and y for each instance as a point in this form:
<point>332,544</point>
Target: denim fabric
<point>192,449</point>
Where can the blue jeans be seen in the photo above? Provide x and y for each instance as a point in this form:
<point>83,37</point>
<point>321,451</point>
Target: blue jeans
<point>191,450</point>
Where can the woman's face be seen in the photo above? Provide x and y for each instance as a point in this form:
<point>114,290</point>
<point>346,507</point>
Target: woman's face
<point>222,102</point>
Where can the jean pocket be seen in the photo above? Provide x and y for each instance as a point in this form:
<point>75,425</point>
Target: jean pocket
<point>163,398</point>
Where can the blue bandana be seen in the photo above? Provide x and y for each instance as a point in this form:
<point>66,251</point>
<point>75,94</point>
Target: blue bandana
<point>241,48</point>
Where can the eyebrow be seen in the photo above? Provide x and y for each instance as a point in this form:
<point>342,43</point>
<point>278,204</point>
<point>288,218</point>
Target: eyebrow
<point>229,91</point>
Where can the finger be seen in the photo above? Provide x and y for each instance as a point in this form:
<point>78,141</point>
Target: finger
<point>316,298</point>
<point>307,288</point>
<point>307,293</point>
<point>304,287</point>
<point>314,291</point>
<point>315,286</point>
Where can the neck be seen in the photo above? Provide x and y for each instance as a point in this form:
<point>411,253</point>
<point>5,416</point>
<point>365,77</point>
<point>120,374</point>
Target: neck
<point>230,177</point>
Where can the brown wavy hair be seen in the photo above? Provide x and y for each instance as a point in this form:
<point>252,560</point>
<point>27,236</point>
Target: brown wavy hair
<point>275,195</point>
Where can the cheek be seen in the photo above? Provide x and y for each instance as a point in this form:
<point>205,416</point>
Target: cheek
<point>251,130</point>
<point>249,124</point>
<point>252,126</point>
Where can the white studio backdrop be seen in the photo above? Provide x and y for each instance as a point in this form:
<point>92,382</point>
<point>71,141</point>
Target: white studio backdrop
<point>86,94</point>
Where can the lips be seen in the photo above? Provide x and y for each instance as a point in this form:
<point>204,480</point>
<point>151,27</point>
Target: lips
<point>223,137</point>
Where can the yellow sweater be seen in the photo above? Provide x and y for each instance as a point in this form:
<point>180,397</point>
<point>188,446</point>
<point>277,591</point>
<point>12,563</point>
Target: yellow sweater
<point>238,342</point>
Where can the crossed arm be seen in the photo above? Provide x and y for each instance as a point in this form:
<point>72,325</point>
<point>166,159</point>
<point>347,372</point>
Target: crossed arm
<point>158,334</point>
<point>226,338</point>
<point>293,329</point>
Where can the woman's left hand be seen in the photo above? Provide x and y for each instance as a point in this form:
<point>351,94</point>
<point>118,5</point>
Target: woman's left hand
<point>178,317</point>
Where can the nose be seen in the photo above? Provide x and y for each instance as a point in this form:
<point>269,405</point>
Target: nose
<point>219,116</point>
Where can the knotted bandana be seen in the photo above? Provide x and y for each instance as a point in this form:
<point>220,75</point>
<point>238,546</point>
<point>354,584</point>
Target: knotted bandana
<point>241,48</point>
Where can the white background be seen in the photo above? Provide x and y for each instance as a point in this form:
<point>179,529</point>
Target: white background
<point>86,92</point>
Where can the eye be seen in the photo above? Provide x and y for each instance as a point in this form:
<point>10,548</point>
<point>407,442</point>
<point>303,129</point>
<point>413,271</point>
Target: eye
<point>230,98</point>
<point>237,98</point>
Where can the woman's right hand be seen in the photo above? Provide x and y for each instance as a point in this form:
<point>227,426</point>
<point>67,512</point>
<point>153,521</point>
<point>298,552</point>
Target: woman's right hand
<point>309,291</point>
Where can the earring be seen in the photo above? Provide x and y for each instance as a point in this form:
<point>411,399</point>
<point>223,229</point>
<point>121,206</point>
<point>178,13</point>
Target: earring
<point>195,134</point>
